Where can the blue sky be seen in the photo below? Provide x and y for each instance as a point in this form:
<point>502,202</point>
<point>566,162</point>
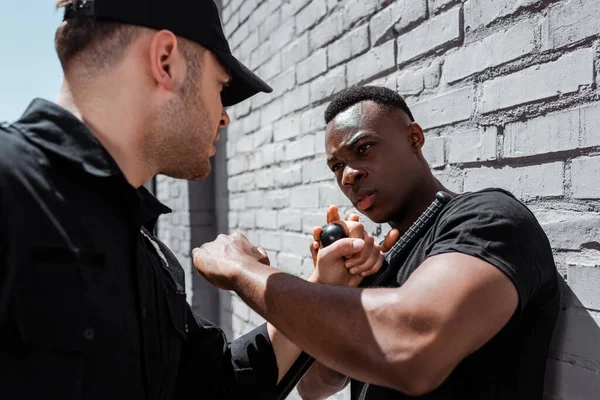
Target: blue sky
<point>29,66</point>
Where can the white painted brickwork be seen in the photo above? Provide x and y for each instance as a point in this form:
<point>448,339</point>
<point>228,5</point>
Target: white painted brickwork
<point>507,91</point>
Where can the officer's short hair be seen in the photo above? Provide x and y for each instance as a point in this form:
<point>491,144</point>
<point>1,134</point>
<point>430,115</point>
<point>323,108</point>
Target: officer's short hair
<point>102,43</point>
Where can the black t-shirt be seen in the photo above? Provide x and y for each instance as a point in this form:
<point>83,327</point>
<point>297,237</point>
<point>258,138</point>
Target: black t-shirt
<point>493,226</point>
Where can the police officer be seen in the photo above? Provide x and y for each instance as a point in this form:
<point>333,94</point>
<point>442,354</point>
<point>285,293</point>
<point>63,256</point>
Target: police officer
<point>92,304</point>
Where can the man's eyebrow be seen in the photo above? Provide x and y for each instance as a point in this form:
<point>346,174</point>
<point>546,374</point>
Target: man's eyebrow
<point>357,138</point>
<point>330,159</point>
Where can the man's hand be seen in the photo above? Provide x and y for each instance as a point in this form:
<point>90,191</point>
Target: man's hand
<point>339,263</point>
<point>221,261</point>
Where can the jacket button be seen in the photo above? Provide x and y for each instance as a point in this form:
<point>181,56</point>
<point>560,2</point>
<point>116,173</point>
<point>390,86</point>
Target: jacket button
<point>89,334</point>
<point>186,328</point>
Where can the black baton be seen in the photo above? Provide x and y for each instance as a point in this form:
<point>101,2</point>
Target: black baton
<point>401,248</point>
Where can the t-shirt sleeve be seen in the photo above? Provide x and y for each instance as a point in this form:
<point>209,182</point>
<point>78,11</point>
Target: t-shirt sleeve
<point>495,227</point>
<point>212,368</point>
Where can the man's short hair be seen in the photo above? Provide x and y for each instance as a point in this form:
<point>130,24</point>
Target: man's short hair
<point>383,96</point>
<point>102,43</point>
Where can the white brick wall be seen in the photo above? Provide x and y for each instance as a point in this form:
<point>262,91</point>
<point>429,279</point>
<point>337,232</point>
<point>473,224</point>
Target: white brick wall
<point>507,93</point>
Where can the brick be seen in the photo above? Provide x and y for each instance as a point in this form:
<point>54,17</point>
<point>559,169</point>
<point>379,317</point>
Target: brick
<point>265,179</point>
<point>349,46</point>
<point>570,22</point>
<point>290,8</point>
<point>357,9</point>
<point>269,240</point>
<point>262,53</point>
<point>254,199</point>
<point>438,4</point>
<point>480,13</point>
<point>536,181</point>
<point>296,99</point>
<point>241,109</point>
<point>237,202</point>
<point>310,220</point>
<point>263,136</point>
<point>315,65</point>
<point>310,15</point>
<point>289,220</point>
<point>246,8</point>
<point>279,152</point>
<point>452,179</point>
<point>316,171</point>
<point>540,82</point>
<point>430,36</point>
<point>232,219</point>
<point>584,178</point>
<point>283,83</point>
<point>271,67</point>
<point>266,219</point>
<point>569,230</point>
<point>313,119</point>
<point>239,36</point>
<point>330,28</point>
<point>251,123</point>
<point>320,143</point>
<point>288,176</point>
<point>246,219</point>
<point>267,152</point>
<point>284,35</point>
<point>473,145</point>
<point>395,18</point>
<point>445,109</point>
<point>561,131</point>
<point>500,48</point>
<point>388,81</point>
<point>433,151</point>
<point>237,165</point>
<point>287,128</point>
<point>378,60</point>
<point>295,52</point>
<point>331,194</point>
<point>271,112</point>
<point>245,144</point>
<point>328,85</point>
<point>241,183</point>
<point>567,381</point>
<point>277,199</point>
<point>269,24</point>
<point>304,197</point>
<point>290,263</point>
<point>584,280</point>
<point>295,243</point>
<point>300,148</point>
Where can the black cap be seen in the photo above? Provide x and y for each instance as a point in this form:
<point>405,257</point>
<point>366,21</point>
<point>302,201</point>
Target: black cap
<point>196,20</point>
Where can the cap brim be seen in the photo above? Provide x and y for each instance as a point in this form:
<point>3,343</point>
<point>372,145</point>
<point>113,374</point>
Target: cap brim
<point>244,84</point>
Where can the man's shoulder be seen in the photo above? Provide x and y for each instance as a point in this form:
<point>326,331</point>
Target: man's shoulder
<point>493,201</point>
<point>16,153</point>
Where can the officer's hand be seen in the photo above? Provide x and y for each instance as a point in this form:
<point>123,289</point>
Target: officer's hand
<point>220,261</point>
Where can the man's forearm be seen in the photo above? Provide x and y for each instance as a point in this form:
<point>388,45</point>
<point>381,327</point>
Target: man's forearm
<point>286,352</point>
<point>329,322</point>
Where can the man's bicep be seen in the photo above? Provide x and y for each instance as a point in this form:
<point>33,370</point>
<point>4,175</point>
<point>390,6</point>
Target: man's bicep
<point>464,301</point>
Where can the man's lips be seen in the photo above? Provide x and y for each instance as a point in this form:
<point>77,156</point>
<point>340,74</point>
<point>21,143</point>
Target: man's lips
<point>366,201</point>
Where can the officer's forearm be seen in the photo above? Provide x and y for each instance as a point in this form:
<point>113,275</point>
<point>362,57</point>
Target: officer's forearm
<point>286,352</point>
<point>321,382</point>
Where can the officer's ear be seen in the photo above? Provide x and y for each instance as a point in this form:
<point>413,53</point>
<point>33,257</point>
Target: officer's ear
<point>167,63</point>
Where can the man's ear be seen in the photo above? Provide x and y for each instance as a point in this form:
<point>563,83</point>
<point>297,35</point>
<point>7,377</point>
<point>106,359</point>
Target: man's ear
<point>167,64</point>
<point>416,136</point>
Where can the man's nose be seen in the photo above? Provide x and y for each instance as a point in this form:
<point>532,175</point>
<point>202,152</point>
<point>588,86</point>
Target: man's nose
<point>351,176</point>
<point>225,120</point>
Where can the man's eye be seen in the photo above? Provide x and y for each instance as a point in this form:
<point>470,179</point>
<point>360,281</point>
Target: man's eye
<point>335,167</point>
<point>363,148</point>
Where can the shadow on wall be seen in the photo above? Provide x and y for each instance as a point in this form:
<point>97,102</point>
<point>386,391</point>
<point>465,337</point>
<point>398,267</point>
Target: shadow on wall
<point>573,370</point>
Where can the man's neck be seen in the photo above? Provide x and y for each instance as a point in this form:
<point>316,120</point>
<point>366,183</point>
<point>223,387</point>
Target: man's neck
<point>114,128</point>
<point>422,198</point>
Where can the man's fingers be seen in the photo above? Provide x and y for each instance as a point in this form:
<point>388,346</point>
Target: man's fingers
<point>333,214</point>
<point>375,267</point>
<point>390,239</point>
<point>342,248</point>
<point>352,217</point>
<point>317,233</point>
<point>264,256</point>
<point>314,251</point>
